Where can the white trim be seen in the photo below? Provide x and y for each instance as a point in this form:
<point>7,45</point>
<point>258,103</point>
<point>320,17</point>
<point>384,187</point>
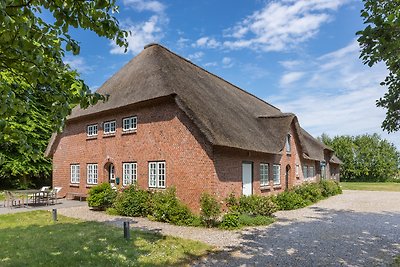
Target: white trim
<point>157,174</point>
<point>129,124</point>
<point>109,127</point>
<point>91,130</point>
<point>129,170</point>
<point>75,174</point>
<point>92,173</point>
<point>264,174</point>
<point>277,174</point>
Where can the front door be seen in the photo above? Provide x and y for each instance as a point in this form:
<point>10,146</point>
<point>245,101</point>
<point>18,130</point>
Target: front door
<point>247,178</point>
<point>111,175</point>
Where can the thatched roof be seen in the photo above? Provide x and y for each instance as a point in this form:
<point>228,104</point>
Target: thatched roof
<point>226,115</point>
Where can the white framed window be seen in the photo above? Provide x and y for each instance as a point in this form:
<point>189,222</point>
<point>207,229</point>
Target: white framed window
<point>305,171</point>
<point>323,170</point>
<point>311,172</point>
<point>264,177</point>
<point>297,170</point>
<point>92,130</point>
<point>75,173</point>
<point>157,174</point>
<point>109,127</point>
<point>130,173</point>
<point>277,174</point>
<point>92,174</point>
<point>288,146</point>
<point>129,124</point>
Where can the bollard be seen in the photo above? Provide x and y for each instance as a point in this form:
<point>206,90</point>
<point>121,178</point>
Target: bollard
<point>127,234</point>
<point>55,215</point>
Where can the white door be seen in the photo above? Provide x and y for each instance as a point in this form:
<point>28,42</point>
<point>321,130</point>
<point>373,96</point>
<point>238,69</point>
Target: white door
<point>247,178</point>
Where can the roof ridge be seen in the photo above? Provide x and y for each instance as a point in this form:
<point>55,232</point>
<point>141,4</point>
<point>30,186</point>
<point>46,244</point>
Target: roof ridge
<point>212,74</point>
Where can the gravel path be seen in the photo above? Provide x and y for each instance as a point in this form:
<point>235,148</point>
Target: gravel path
<point>357,228</point>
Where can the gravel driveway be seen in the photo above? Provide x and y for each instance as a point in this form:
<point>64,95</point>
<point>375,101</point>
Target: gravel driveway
<point>357,228</point>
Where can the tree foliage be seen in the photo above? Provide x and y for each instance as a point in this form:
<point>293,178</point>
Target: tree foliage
<point>380,42</point>
<point>37,90</point>
<point>365,157</point>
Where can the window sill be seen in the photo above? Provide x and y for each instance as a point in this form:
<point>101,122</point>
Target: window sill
<point>90,185</point>
<point>73,185</point>
<point>91,137</point>
<point>108,135</point>
<point>277,186</point>
<point>265,187</point>
<point>129,132</point>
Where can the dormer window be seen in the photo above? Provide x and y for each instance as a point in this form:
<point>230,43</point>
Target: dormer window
<point>129,124</point>
<point>109,127</point>
<point>92,130</point>
<point>288,146</point>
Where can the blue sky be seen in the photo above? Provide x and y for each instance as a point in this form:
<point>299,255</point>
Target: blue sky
<point>299,55</point>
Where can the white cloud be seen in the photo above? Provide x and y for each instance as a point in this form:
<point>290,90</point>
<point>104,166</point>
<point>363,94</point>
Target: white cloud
<point>210,64</point>
<point>281,24</point>
<point>142,34</point>
<point>290,64</point>
<point>227,62</point>
<point>206,42</point>
<point>291,77</point>
<point>182,42</point>
<point>143,5</point>
<point>337,95</point>
<point>78,63</point>
<point>195,56</point>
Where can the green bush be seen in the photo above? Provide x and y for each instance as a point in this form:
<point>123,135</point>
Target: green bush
<point>210,210</point>
<point>232,202</point>
<point>133,201</point>
<point>330,188</point>
<point>257,205</point>
<point>101,196</point>
<point>166,207</point>
<point>310,193</point>
<point>248,220</point>
<point>290,200</point>
<point>230,220</point>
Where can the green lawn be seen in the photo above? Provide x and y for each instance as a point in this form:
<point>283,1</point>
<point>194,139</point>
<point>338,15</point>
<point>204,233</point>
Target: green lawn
<point>370,186</point>
<point>33,239</point>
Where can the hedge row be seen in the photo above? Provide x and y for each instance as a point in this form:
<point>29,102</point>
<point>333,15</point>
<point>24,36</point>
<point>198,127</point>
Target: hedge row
<point>164,206</point>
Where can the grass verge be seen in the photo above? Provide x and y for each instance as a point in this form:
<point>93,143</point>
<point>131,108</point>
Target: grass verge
<point>394,187</point>
<point>32,238</point>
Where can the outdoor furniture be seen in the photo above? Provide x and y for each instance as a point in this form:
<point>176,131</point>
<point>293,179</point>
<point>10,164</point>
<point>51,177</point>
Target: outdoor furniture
<point>52,196</point>
<point>12,199</point>
<point>73,195</point>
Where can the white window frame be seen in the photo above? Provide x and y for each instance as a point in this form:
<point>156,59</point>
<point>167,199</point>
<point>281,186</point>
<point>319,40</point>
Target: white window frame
<point>129,173</point>
<point>288,145</point>
<point>305,171</point>
<point>92,130</point>
<point>75,173</point>
<point>157,174</point>
<point>92,173</point>
<point>311,172</point>
<point>264,175</point>
<point>277,174</point>
<point>129,124</point>
<point>297,170</point>
<point>109,127</point>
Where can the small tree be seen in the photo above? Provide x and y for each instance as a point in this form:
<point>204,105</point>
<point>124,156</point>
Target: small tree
<point>210,209</point>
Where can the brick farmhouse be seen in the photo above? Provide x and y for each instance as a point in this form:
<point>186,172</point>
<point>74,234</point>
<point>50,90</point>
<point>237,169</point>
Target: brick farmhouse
<point>168,122</point>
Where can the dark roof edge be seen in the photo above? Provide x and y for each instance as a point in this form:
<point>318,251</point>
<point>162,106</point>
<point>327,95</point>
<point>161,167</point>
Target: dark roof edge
<point>237,87</point>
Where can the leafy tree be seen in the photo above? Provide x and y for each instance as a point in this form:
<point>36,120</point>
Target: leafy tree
<point>365,157</point>
<point>37,90</point>
<point>380,42</point>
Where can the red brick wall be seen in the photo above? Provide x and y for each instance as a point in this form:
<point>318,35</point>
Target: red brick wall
<point>164,133</point>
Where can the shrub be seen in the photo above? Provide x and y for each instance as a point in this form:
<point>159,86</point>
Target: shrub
<point>101,196</point>
<point>232,202</point>
<point>248,220</point>
<point>290,200</point>
<point>166,207</point>
<point>310,193</point>
<point>210,210</point>
<point>133,201</point>
<point>257,205</point>
<point>230,220</point>
<point>330,188</point>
